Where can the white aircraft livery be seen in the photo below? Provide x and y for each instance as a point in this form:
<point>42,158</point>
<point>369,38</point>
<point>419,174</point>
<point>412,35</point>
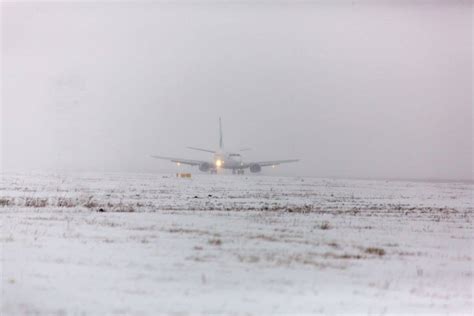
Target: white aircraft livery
<point>223,159</point>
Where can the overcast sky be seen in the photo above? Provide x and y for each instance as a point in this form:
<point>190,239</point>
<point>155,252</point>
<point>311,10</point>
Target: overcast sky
<point>353,88</point>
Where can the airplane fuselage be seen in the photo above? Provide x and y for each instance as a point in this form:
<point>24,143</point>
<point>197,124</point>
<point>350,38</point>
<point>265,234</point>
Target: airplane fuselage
<point>227,160</point>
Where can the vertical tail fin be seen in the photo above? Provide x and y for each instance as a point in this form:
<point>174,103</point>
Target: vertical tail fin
<point>221,143</point>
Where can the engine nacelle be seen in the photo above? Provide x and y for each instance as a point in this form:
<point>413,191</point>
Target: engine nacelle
<point>205,166</point>
<point>255,167</point>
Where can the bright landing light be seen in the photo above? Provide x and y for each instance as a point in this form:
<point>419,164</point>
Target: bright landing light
<point>219,163</point>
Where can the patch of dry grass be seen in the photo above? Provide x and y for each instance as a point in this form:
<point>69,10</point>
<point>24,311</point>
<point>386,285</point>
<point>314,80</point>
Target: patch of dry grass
<point>325,225</point>
<point>90,203</point>
<point>264,237</point>
<point>300,209</point>
<point>375,251</point>
<point>123,208</point>
<point>215,242</point>
<point>66,202</point>
<point>5,202</point>
<point>36,202</point>
<point>342,256</point>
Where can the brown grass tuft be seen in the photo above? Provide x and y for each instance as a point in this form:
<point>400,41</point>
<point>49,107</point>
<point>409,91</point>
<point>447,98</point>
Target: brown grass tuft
<point>124,208</point>
<point>90,203</point>
<point>65,202</point>
<point>375,251</point>
<point>215,242</point>
<point>325,225</point>
<point>5,202</point>
<point>36,202</point>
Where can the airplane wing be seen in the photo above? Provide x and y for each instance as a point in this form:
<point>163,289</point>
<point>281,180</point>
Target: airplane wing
<point>203,149</point>
<point>272,162</point>
<point>183,161</point>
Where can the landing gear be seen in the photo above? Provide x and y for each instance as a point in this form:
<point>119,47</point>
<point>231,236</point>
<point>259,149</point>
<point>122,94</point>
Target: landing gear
<point>213,171</point>
<point>240,171</point>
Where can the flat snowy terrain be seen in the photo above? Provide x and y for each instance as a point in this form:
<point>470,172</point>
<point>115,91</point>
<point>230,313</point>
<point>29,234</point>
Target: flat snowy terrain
<point>152,244</point>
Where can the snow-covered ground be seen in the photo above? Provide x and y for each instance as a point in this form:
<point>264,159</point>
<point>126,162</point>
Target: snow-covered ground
<point>152,244</point>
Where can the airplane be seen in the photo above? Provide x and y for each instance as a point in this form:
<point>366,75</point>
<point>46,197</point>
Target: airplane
<point>223,159</point>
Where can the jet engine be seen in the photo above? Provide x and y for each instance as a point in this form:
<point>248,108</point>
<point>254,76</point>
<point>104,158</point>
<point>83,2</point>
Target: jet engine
<point>205,166</point>
<point>255,167</point>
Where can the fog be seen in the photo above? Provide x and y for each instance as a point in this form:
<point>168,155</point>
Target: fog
<point>352,88</point>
